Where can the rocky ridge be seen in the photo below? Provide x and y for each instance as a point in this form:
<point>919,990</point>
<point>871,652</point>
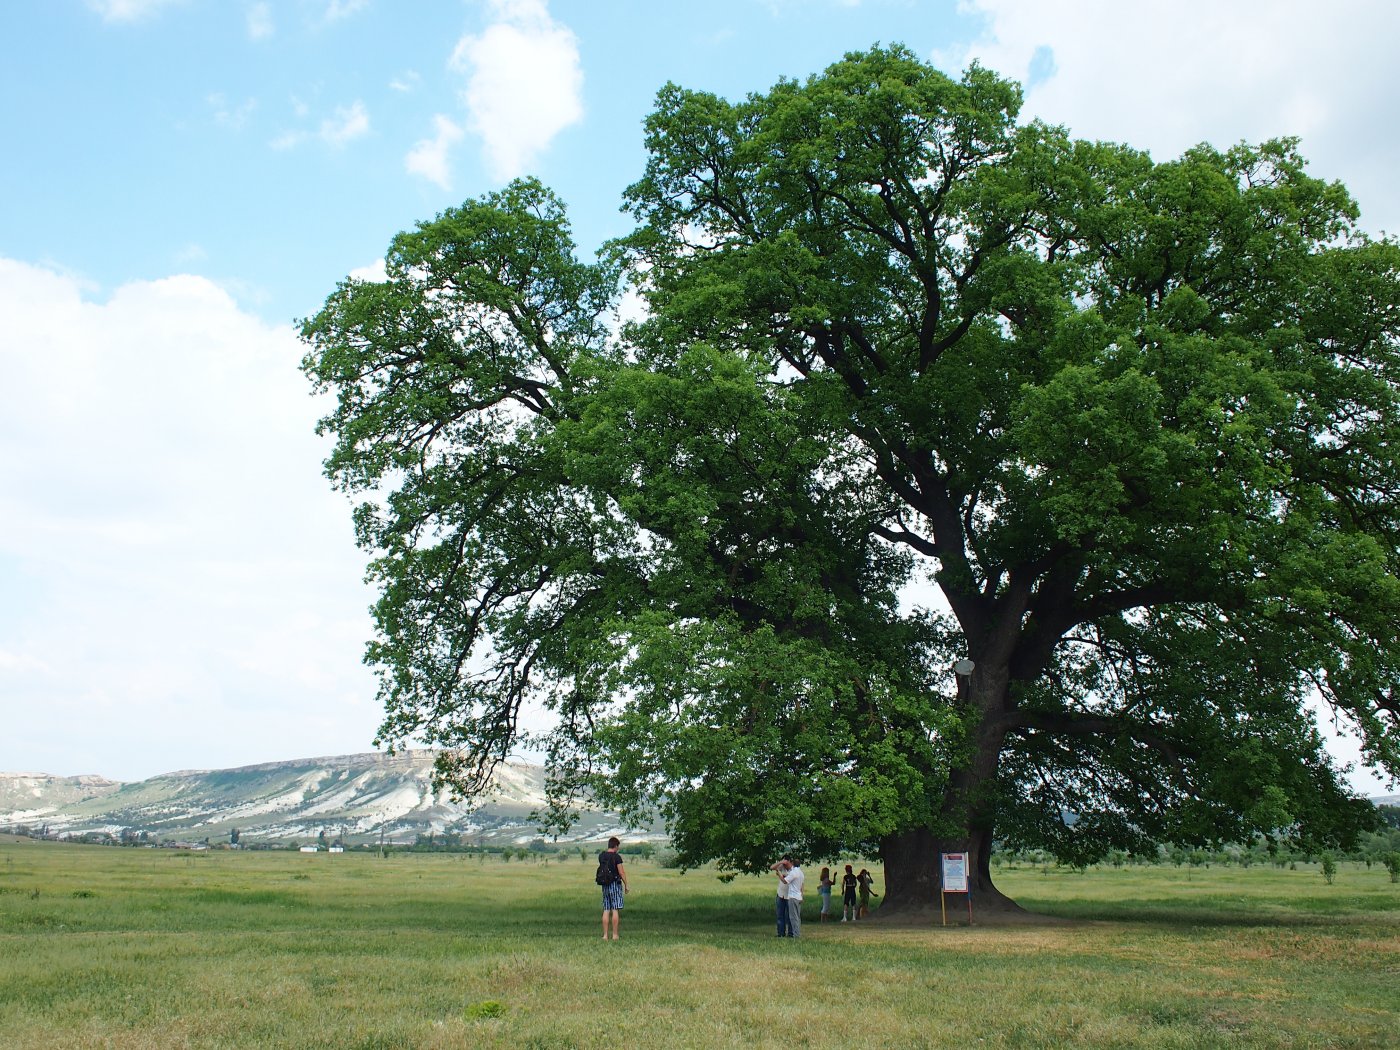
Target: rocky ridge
<point>357,797</point>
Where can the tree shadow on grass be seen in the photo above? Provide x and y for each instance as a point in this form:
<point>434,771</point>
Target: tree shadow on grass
<point>1174,914</point>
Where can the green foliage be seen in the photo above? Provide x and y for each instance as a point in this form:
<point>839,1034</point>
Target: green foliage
<point>485,1008</point>
<point>915,381</point>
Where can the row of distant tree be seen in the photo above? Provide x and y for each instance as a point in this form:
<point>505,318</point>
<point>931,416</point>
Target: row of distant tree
<point>535,849</point>
<point>1379,847</point>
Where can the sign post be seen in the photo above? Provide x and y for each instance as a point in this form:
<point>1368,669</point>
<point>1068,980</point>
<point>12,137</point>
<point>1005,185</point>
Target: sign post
<point>954,881</point>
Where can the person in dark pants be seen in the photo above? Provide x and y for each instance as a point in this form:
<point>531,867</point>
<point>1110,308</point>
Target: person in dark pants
<point>780,869</point>
<point>848,895</point>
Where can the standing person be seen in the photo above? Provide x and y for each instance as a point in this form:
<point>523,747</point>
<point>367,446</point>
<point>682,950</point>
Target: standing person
<point>612,876</point>
<point>795,878</point>
<point>848,895</point>
<point>865,879</point>
<point>780,869</point>
<point>824,885</point>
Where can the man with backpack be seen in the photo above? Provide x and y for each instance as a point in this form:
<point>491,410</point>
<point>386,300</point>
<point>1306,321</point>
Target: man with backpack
<point>612,876</point>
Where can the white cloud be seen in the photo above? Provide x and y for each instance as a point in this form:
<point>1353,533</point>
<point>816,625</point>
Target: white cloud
<point>338,9</point>
<point>376,272</point>
<point>428,157</point>
<point>19,662</point>
<point>1165,77</point>
<point>348,123</point>
<point>345,125</point>
<point>288,140</point>
<point>128,10</point>
<point>524,83</point>
<point>406,82</point>
<point>260,21</point>
<point>177,572</point>
<point>231,116</point>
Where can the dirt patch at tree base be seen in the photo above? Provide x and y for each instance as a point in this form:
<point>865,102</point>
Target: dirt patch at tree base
<point>903,918</point>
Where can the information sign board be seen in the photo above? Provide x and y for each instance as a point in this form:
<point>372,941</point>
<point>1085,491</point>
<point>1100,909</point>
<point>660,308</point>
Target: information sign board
<point>954,872</point>
<point>954,881</point>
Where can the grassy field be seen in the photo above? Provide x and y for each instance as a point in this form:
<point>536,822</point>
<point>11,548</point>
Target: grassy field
<point>104,947</point>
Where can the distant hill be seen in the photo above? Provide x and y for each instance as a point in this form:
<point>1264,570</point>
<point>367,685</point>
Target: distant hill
<point>355,796</point>
<point>358,796</point>
<point>41,793</point>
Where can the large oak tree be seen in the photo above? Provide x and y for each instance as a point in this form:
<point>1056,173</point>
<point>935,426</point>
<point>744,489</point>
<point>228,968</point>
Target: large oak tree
<point>915,383</point>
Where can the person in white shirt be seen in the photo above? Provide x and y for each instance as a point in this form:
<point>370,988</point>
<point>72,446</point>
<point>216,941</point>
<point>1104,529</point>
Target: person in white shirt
<point>780,869</point>
<point>793,878</point>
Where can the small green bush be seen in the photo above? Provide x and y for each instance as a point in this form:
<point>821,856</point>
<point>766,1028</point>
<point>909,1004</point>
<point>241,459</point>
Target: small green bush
<point>485,1008</point>
<point>1392,865</point>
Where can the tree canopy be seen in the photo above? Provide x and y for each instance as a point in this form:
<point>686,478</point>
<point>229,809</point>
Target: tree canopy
<point>913,381</point>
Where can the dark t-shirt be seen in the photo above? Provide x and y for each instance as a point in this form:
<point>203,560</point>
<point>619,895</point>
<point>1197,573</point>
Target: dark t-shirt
<point>609,861</point>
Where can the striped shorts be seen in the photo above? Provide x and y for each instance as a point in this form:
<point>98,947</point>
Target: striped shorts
<point>612,897</point>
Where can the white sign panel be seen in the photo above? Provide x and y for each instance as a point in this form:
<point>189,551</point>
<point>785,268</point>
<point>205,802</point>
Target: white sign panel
<point>954,872</point>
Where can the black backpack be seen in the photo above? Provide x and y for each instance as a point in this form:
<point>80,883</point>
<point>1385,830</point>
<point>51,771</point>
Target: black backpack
<point>607,872</point>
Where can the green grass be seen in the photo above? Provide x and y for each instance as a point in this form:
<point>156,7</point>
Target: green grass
<point>143,948</point>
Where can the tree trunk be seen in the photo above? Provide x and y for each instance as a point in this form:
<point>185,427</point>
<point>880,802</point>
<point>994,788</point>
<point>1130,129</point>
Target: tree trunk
<point>913,877</point>
<point>913,865</point>
<point>911,870</point>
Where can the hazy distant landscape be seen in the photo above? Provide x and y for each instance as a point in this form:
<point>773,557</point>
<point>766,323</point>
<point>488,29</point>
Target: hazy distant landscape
<point>354,798</point>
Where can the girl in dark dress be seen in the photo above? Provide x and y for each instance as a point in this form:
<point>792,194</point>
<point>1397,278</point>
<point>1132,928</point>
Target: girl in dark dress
<point>848,895</point>
<point>864,880</point>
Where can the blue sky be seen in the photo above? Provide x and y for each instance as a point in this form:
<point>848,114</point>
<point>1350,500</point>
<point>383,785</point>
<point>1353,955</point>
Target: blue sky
<point>267,145</point>
<point>184,178</point>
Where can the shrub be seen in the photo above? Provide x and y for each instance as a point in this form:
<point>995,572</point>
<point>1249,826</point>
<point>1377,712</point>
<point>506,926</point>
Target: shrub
<point>1392,865</point>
